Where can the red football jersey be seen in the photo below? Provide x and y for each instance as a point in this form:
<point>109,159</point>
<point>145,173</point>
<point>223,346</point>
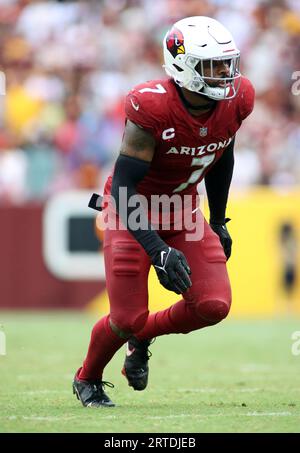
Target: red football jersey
<point>186,146</point>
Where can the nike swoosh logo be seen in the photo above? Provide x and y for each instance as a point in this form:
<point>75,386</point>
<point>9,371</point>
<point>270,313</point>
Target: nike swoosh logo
<point>162,257</point>
<point>129,352</point>
<point>135,106</point>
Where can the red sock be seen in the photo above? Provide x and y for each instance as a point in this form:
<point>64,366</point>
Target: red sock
<point>179,318</point>
<point>103,345</point>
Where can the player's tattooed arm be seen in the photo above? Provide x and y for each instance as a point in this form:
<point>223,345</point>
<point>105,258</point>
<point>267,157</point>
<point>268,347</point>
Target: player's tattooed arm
<point>137,142</point>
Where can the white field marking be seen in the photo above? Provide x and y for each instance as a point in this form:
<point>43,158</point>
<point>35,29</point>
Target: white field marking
<point>154,417</point>
<point>47,419</point>
<point>157,417</point>
<point>247,390</point>
<point>29,377</point>
<point>105,417</point>
<point>199,390</point>
<point>53,418</point>
<point>220,390</point>
<point>44,392</point>
<point>249,414</point>
<point>268,414</point>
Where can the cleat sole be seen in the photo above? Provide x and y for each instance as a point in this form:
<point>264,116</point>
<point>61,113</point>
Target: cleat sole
<point>138,387</point>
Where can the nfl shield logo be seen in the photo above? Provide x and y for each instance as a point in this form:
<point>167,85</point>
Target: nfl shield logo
<point>203,131</point>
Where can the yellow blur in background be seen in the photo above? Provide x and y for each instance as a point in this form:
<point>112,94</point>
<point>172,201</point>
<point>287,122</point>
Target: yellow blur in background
<point>259,260</point>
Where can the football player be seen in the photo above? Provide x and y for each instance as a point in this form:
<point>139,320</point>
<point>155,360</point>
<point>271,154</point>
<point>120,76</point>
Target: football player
<point>179,130</point>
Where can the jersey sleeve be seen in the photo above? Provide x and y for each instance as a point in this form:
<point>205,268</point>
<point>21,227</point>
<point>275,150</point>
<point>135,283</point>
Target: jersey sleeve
<point>246,98</point>
<point>143,110</point>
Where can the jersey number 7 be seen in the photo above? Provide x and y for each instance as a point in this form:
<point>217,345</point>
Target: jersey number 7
<point>202,163</point>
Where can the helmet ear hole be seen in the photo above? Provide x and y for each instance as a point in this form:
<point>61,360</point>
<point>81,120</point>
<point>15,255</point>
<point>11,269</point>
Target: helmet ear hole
<point>197,85</point>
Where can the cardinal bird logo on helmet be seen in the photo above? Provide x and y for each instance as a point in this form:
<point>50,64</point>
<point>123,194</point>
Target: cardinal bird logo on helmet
<point>175,42</point>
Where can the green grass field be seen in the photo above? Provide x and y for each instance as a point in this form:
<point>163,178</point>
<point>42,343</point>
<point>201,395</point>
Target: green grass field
<point>239,376</point>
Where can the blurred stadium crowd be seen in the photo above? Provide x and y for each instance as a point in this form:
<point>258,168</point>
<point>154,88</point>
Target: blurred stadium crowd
<point>68,65</point>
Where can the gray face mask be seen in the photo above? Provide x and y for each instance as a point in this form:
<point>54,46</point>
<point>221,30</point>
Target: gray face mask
<point>215,81</point>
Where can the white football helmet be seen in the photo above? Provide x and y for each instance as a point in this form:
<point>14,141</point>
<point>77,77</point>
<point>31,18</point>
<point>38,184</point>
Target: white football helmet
<point>192,49</point>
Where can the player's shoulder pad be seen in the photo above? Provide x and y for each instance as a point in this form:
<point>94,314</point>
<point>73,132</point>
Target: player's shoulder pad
<point>246,96</point>
<point>146,104</point>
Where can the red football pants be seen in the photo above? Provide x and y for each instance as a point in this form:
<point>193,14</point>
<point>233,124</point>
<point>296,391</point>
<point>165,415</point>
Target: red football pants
<point>127,266</point>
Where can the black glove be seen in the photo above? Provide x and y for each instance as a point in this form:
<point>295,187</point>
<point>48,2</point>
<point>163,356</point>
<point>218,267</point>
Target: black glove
<point>172,270</point>
<point>222,232</point>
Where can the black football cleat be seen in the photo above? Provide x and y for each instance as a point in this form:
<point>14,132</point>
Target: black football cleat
<point>135,367</point>
<point>91,393</point>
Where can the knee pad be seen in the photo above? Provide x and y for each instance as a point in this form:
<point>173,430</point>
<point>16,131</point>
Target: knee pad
<point>128,324</point>
<point>212,311</point>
